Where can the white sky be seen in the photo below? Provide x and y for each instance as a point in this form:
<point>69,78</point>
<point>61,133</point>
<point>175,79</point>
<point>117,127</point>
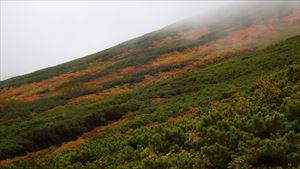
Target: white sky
<point>39,34</point>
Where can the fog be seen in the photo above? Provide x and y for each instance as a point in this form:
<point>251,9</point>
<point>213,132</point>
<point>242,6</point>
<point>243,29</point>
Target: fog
<point>39,34</point>
<point>240,12</point>
<point>36,34</point>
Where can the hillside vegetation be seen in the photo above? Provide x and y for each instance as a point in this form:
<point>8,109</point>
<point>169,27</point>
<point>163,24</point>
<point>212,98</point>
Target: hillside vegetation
<point>203,94</point>
<point>255,127</point>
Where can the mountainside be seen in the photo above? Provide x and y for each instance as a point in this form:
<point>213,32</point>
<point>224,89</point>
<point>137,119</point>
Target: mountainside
<point>220,92</point>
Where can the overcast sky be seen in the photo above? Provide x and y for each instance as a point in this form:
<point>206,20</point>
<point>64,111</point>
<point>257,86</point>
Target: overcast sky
<point>39,34</point>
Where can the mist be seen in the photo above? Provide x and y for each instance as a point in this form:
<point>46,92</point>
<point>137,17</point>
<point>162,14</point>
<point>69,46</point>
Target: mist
<point>37,34</point>
<point>239,13</point>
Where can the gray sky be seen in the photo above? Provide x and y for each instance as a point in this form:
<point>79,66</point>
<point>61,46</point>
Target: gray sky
<point>39,34</point>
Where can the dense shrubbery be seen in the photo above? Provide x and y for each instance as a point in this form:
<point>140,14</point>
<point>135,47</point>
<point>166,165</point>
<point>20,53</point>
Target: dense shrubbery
<point>252,129</point>
<point>59,125</point>
<point>261,118</point>
<point>195,89</point>
<point>207,116</point>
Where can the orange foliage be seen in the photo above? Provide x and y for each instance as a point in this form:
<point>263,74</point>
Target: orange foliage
<point>117,74</point>
<point>164,41</point>
<point>244,39</point>
<point>293,18</point>
<point>168,58</point>
<point>31,155</point>
<point>191,112</point>
<point>151,79</point>
<point>150,125</point>
<point>71,145</point>
<point>230,45</point>
<point>44,88</point>
<point>226,53</point>
<point>194,34</point>
<point>100,95</point>
<point>75,144</point>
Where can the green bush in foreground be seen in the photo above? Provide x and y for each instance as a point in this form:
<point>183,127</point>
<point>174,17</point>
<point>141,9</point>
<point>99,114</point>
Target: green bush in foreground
<point>258,128</point>
<point>177,95</point>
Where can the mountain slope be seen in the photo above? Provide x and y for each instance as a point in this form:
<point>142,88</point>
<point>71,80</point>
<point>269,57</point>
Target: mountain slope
<point>162,77</point>
<point>282,18</point>
<point>258,127</point>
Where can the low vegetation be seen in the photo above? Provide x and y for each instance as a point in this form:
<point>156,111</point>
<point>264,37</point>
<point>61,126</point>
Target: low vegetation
<point>256,128</point>
<point>197,88</point>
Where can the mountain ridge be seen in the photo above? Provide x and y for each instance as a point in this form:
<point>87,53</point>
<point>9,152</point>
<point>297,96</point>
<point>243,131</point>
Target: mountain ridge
<point>170,28</point>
